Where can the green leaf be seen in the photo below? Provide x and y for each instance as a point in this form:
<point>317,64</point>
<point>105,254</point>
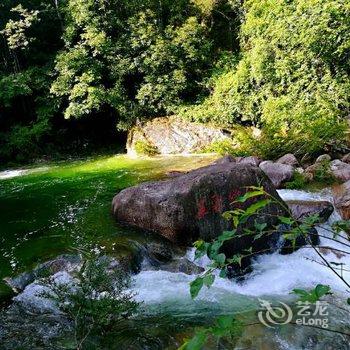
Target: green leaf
<point>322,290</point>
<point>237,259</point>
<point>196,286</point>
<point>202,248</point>
<point>196,343</point>
<point>314,294</point>
<point>220,258</point>
<point>256,206</point>
<point>260,227</point>
<point>208,280</point>
<point>348,301</point>
<point>285,220</point>
<point>226,235</point>
<point>223,273</point>
<point>225,321</point>
<point>300,292</point>
<point>248,195</point>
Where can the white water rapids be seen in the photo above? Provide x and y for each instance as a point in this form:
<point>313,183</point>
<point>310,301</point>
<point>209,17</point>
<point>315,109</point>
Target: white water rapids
<point>273,277</point>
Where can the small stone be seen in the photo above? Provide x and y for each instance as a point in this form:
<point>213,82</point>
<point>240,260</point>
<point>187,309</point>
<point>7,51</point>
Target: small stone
<point>277,173</point>
<point>340,170</point>
<point>341,195</point>
<point>346,158</point>
<point>288,159</point>
<point>250,160</point>
<point>323,158</point>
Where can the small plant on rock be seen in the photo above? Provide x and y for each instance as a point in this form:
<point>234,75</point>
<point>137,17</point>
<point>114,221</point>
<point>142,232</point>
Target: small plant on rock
<point>96,299</point>
<point>297,182</point>
<point>145,148</point>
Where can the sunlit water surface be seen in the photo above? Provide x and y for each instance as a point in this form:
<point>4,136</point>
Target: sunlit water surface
<point>59,208</point>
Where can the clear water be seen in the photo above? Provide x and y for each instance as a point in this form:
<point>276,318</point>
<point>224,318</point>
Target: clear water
<point>51,210</point>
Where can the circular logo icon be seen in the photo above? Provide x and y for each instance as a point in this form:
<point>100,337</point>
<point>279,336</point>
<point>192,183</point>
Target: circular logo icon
<point>271,316</point>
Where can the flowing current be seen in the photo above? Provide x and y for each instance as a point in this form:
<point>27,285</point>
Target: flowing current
<point>273,276</point>
<point>54,210</point>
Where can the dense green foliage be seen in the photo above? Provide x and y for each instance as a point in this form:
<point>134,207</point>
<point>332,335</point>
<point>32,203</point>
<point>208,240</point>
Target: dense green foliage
<point>73,70</point>
<point>111,62</point>
<point>292,78</point>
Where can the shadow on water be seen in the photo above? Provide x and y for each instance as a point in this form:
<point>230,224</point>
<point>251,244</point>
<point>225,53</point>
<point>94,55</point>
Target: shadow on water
<point>51,210</point>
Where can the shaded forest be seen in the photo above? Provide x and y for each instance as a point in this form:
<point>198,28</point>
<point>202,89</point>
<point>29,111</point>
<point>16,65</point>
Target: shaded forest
<point>75,75</point>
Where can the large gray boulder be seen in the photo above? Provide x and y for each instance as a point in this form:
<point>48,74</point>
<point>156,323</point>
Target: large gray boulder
<point>174,135</point>
<point>189,207</point>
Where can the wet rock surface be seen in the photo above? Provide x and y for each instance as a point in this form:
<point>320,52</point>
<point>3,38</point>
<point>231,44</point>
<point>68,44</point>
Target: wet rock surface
<point>61,263</point>
<point>190,207</point>
<point>302,209</point>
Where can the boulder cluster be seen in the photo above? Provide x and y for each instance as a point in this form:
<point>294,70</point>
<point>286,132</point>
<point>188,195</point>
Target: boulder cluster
<point>336,171</point>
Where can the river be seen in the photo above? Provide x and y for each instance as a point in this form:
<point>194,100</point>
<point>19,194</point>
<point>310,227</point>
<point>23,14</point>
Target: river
<point>59,208</point>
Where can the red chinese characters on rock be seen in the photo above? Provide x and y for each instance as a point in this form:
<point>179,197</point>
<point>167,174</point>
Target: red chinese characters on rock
<point>215,203</point>
<point>202,210</point>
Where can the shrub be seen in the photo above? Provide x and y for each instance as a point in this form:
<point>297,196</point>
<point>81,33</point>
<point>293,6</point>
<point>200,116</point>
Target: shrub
<point>298,181</point>
<point>145,148</point>
<point>222,147</point>
<point>323,173</point>
<point>96,300</point>
<point>292,79</point>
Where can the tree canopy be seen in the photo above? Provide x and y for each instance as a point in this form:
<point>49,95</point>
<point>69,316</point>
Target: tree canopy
<point>70,67</point>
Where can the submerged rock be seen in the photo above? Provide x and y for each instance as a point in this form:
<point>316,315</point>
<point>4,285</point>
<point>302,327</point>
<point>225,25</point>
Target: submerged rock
<point>159,252</point>
<point>61,263</point>
<point>174,135</point>
<point>190,206</point>
<point>277,173</point>
<point>289,247</point>
<point>303,209</point>
<point>180,264</point>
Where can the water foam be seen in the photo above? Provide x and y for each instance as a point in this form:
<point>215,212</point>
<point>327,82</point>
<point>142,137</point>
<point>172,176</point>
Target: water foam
<point>273,276</point>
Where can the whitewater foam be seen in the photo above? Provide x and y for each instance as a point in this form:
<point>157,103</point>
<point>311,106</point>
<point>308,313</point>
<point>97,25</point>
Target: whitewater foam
<point>273,275</point>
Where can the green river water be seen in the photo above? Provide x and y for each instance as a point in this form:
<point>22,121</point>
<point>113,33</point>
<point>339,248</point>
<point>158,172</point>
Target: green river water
<point>53,209</point>
<point>60,208</point>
